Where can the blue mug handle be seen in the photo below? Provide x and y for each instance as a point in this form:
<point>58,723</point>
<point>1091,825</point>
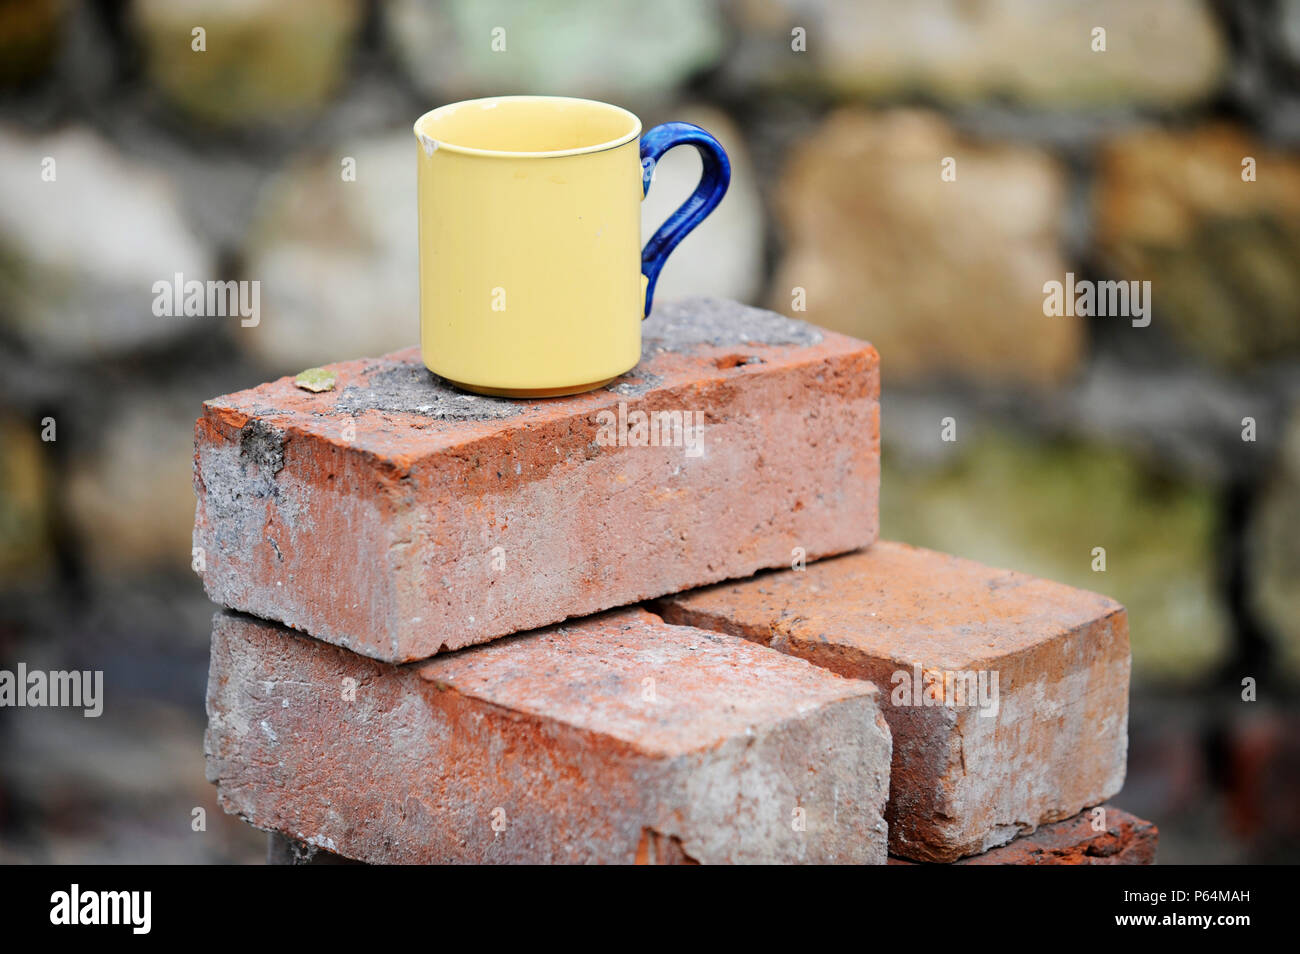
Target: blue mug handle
<point>713,186</point>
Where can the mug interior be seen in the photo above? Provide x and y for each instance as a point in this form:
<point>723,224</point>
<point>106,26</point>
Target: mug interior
<point>528,125</point>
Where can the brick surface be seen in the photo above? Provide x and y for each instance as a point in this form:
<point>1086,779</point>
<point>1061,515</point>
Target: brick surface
<point>449,519</point>
<point>1123,840</point>
<point>613,739</point>
<point>962,781</point>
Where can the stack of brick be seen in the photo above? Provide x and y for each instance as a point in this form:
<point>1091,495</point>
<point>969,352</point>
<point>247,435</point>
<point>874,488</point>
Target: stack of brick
<point>466,629</point>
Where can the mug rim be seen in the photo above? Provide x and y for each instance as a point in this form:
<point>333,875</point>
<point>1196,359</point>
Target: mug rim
<point>431,144</point>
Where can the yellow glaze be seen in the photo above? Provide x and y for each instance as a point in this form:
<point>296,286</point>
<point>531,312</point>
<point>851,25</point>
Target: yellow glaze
<point>530,234</point>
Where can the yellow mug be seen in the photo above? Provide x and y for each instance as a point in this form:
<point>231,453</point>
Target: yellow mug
<point>532,279</point>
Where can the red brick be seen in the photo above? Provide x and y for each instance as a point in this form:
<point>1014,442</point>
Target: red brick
<point>385,543</point>
<point>961,782</point>
<point>1124,839</point>
<point>553,729</point>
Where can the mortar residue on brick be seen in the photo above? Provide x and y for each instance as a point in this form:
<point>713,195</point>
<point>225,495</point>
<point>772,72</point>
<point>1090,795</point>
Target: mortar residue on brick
<point>681,326</point>
<point>414,389</point>
<point>262,444</point>
<point>675,327</point>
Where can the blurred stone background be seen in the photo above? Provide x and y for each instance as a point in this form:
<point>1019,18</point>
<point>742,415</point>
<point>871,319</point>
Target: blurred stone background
<point>1071,433</point>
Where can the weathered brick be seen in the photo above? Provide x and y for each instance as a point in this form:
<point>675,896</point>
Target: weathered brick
<point>612,739</point>
<point>387,543</point>
<point>1124,839</point>
<point>1055,735</point>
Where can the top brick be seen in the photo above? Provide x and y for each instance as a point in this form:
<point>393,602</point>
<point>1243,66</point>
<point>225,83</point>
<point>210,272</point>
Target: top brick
<point>399,517</point>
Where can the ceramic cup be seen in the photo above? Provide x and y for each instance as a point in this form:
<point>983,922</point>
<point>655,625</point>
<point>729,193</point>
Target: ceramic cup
<point>532,279</point>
